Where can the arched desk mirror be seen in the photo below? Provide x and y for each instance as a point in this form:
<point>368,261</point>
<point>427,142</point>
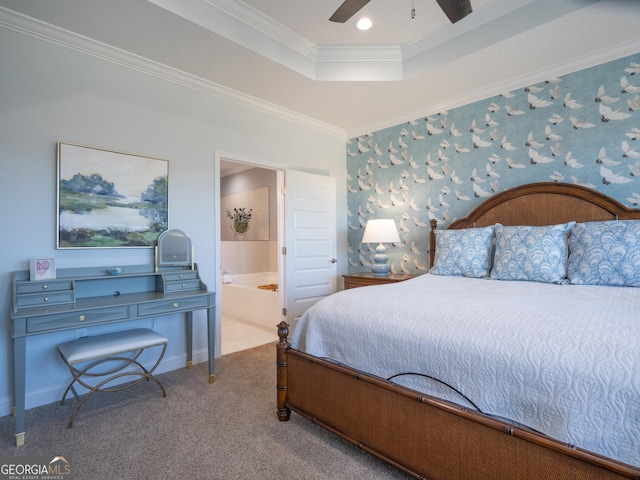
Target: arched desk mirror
<point>174,250</point>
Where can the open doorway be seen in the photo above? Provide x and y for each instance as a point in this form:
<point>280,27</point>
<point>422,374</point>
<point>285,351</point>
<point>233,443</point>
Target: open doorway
<point>250,290</point>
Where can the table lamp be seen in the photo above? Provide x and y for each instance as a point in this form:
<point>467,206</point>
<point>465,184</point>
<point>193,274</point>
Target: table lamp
<point>379,231</point>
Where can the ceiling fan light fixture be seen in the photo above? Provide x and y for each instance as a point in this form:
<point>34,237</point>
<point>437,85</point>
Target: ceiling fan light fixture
<point>364,23</point>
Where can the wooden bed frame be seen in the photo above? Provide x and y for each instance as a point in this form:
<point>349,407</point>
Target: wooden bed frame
<point>430,438</point>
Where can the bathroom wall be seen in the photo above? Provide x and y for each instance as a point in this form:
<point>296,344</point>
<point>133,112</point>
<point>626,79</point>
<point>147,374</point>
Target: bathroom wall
<point>251,256</point>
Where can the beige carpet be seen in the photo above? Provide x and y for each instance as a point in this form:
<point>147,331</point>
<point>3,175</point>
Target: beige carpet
<point>228,430</point>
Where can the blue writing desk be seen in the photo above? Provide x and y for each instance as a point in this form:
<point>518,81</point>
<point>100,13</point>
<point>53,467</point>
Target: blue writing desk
<point>83,297</point>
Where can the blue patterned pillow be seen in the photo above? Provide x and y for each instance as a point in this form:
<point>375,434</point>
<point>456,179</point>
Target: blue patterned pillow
<point>605,253</point>
<point>464,252</point>
<point>537,254</point>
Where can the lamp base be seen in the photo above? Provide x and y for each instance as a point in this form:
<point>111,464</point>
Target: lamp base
<point>381,267</point>
<point>381,270</point>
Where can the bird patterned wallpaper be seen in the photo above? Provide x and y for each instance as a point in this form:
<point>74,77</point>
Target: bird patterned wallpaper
<point>581,128</point>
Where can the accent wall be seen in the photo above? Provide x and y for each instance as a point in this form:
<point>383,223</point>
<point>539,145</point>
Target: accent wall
<point>582,128</point>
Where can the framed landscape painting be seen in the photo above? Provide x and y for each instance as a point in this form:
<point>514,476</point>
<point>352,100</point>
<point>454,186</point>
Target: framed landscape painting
<point>110,200</point>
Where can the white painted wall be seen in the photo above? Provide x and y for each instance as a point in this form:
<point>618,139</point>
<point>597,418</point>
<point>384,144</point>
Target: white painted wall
<point>49,93</point>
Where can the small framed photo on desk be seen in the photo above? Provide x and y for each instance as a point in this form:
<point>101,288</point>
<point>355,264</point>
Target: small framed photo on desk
<point>42,268</point>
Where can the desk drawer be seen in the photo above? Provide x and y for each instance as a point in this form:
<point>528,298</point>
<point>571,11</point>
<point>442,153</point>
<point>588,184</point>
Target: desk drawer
<point>170,306</point>
<point>77,319</point>
<point>42,287</point>
<point>42,299</point>
<point>174,276</point>
<point>182,285</point>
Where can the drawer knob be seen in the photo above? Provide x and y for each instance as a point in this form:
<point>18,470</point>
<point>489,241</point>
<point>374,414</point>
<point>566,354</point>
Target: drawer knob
<point>46,299</point>
<point>81,318</point>
<point>184,286</point>
<point>175,305</point>
<point>44,287</point>
<point>180,276</point>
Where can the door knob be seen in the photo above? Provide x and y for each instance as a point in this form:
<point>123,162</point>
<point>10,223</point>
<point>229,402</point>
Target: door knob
<point>333,260</point>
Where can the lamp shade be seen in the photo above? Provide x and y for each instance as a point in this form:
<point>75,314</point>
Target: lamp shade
<point>381,230</point>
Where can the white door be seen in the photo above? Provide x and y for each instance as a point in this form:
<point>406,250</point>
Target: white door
<point>310,241</point>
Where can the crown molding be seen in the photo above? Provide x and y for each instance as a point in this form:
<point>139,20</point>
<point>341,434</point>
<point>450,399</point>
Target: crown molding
<point>255,19</point>
<point>58,36</point>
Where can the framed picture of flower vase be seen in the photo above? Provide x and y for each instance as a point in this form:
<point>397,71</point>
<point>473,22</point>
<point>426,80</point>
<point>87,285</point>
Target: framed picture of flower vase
<point>245,215</point>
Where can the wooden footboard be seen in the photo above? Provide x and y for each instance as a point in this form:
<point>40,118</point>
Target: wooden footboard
<point>423,436</point>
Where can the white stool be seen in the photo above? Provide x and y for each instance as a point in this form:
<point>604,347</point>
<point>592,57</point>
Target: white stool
<point>109,347</point>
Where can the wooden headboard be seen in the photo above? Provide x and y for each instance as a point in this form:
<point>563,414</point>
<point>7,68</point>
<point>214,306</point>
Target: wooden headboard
<point>546,203</point>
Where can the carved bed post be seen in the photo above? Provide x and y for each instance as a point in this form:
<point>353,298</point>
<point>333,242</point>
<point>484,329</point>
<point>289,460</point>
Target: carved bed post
<point>432,241</point>
<point>282,378</point>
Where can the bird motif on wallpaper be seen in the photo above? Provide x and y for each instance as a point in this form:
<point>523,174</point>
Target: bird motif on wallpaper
<point>572,162</point>
<point>480,192</point>
<point>555,92</point>
<point>506,145</point>
<point>608,177</point>
<point>556,150</point>
<point>419,223</point>
<point>454,131</point>
<point>479,142</point>
<point>433,130</point>
<point>513,111</point>
<point>606,114</point>
<point>489,122</point>
<point>514,163</point>
<point>555,119</point>
<point>603,159</point>
<point>571,103</point>
<point>550,135</point>
<point>491,172</point>
<point>475,178</point>
<point>474,127</point>
<point>634,170</point>
<point>634,134</point>
<point>582,183</point>
<point>577,123</point>
<point>603,97</point>
<point>627,151</point>
<point>535,157</point>
<point>626,87</point>
<point>634,199</point>
<point>532,142</point>
<point>633,68</point>
<point>535,102</point>
<point>634,104</point>
<point>460,148</point>
<point>556,176</point>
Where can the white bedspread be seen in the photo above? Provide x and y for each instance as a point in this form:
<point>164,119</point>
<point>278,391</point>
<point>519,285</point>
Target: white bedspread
<point>562,359</point>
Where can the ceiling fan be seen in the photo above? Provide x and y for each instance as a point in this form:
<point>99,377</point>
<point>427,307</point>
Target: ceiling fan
<point>454,9</point>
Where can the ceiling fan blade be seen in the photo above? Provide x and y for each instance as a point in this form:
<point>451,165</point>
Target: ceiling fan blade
<point>455,9</point>
<point>347,10</point>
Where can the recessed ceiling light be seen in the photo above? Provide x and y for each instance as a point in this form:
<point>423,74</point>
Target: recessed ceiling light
<point>364,23</point>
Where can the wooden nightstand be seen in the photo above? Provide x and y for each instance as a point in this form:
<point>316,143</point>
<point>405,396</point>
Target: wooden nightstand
<point>364,279</point>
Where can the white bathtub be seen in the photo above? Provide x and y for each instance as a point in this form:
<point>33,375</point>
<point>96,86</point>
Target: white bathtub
<point>243,299</point>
